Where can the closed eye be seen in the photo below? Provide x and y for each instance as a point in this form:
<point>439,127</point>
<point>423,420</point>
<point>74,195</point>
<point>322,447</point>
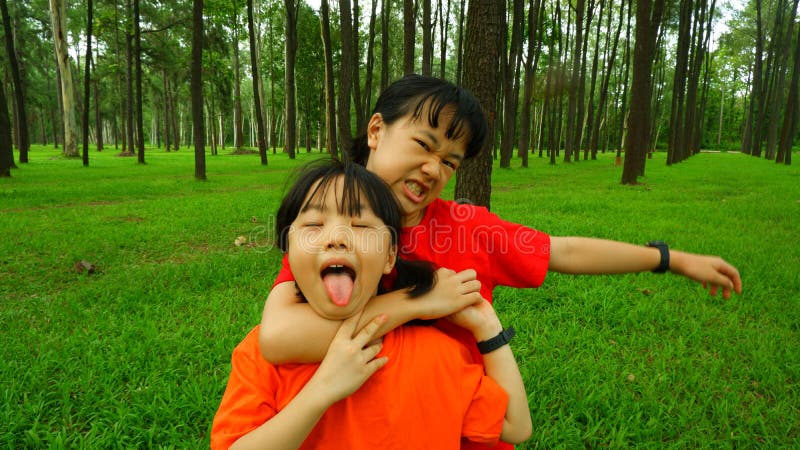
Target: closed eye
<point>423,145</point>
<point>450,164</point>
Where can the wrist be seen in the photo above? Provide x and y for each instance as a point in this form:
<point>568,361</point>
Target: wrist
<point>487,331</point>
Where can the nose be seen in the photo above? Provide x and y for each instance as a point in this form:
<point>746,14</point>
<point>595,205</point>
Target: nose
<point>431,168</point>
<point>339,237</point>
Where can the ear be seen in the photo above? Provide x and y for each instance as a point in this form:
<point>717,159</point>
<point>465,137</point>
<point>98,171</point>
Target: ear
<point>375,128</point>
<point>390,260</point>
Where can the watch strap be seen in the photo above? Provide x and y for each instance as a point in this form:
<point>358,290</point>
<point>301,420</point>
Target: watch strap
<point>663,248</point>
<point>496,342</point>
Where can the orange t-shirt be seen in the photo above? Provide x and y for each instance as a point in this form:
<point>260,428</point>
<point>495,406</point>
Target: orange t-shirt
<point>428,395</point>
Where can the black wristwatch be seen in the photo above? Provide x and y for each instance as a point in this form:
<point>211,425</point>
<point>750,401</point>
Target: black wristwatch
<point>496,342</point>
<point>662,247</point>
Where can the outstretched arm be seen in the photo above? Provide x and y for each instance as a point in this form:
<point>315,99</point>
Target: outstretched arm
<point>292,332</point>
<point>350,361</point>
<point>577,255</point>
<point>500,365</point>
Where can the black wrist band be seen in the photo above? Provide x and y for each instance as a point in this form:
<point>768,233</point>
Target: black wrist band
<point>496,342</point>
<point>663,248</point>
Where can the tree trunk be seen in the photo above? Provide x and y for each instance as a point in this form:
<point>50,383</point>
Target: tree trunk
<point>523,146</point>
<point>593,80</point>
<point>345,76</point>
<point>290,105</point>
<point>784,42</point>
<point>460,50</point>
<point>648,20</point>
<point>385,15</point>
<point>23,138</point>
<point>484,29</point>
<point>751,144</point>
<point>237,83</point>
<point>792,113</point>
<point>138,55</point>
<point>70,123</point>
<point>444,32</point>
<point>409,36</point>
<point>427,39</point>
<point>511,85</point>
<point>262,145</point>
<point>601,103</point>
<point>370,64</point>
<point>330,93</point>
<point>197,90</point>
<point>87,82</point>
<point>166,110</point>
<point>6,149</point>
<point>573,87</point>
<point>98,118</point>
<point>356,70</point>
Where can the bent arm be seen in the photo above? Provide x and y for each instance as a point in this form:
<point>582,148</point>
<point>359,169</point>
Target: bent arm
<point>578,255</point>
<point>292,332</point>
<point>501,366</point>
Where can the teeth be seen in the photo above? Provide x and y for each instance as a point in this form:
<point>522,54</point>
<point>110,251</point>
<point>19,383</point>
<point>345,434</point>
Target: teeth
<point>414,187</point>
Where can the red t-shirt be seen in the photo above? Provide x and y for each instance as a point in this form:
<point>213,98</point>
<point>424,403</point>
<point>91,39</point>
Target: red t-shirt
<point>462,236</point>
<point>405,405</point>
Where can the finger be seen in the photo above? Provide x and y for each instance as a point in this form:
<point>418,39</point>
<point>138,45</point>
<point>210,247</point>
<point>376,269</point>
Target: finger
<point>373,366</point>
<point>470,286</point>
<point>467,275</point>
<point>714,288</point>
<point>348,326</point>
<point>370,330</point>
<point>372,351</point>
<point>726,294</point>
<point>733,276</point>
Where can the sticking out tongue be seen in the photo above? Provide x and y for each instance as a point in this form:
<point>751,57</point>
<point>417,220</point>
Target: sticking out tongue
<point>339,287</point>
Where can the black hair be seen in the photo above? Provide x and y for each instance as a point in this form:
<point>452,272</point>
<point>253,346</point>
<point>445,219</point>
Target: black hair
<point>359,183</point>
<point>412,94</point>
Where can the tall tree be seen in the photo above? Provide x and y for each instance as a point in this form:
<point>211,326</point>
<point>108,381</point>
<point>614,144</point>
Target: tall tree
<point>484,30</point>
<point>386,10</point>
<point>356,72</point>
<point>6,149</point>
<point>290,105</point>
<point>59,23</point>
<point>409,35</point>
<point>137,51</point>
<point>648,21</point>
<point>370,63</point>
<point>87,81</point>
<point>751,142</point>
<point>791,115</point>
<point>330,93</point>
<point>580,8</point>
<point>427,39</point>
<point>237,91</point>
<point>511,84</point>
<point>345,75</point>
<point>261,139</point>
<point>530,69</point>
<point>197,91</point>
<point>23,137</point>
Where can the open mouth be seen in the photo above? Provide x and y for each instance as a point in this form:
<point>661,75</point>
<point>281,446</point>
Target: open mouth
<point>338,280</point>
<point>416,189</point>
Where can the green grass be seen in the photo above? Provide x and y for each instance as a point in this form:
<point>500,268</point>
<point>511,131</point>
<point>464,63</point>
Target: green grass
<point>137,354</point>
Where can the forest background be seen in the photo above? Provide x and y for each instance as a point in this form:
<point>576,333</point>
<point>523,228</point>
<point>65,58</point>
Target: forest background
<point>563,79</point>
<point>122,292</point>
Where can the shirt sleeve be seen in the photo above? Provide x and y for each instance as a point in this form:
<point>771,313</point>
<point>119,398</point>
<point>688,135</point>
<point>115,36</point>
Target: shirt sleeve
<point>286,272</point>
<point>518,255</point>
<point>485,408</point>
<point>249,399</point>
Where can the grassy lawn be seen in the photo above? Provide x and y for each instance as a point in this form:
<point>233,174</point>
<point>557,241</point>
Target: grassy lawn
<point>137,353</point>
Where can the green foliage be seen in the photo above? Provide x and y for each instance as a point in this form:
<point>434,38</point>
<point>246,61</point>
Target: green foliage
<point>137,353</point>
